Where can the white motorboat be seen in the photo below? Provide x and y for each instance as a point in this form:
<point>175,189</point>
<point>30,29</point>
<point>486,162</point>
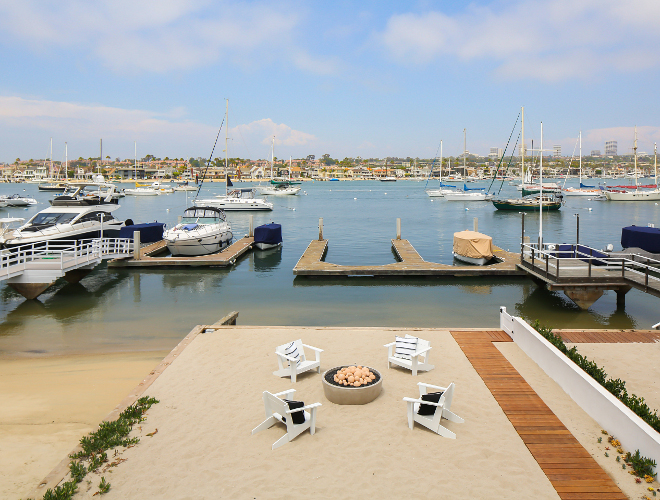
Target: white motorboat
<point>184,186</point>
<point>16,200</point>
<point>202,231</point>
<point>140,189</point>
<point>65,223</point>
<point>86,194</point>
<point>473,248</point>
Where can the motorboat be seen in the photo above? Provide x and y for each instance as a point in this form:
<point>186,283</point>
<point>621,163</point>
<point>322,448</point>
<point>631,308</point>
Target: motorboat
<point>57,187</point>
<point>87,194</point>
<point>268,236</point>
<point>162,188</point>
<point>202,231</point>
<point>65,223</point>
<point>185,186</point>
<point>17,200</point>
<point>473,248</point>
<point>141,191</point>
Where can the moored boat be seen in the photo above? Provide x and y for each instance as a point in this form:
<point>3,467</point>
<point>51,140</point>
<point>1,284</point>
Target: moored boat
<point>268,236</point>
<point>473,248</point>
<point>202,231</point>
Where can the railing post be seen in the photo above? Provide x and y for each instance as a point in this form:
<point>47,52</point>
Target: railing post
<point>623,268</point>
<point>557,276</point>
<point>532,256</point>
<point>547,263</point>
<point>646,274</point>
<point>589,271</point>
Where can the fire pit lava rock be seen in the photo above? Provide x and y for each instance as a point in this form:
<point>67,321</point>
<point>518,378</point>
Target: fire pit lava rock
<point>341,394</point>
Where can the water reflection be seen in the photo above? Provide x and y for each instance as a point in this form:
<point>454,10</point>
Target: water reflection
<point>266,260</point>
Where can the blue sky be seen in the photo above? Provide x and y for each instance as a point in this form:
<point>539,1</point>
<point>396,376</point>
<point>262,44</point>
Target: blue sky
<point>368,78</point>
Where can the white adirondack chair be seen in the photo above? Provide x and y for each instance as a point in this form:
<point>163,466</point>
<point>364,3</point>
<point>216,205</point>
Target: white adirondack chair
<point>419,360</point>
<point>442,410</point>
<point>277,409</point>
<point>288,366</point>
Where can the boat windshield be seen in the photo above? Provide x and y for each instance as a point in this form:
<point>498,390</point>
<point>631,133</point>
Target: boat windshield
<point>50,218</point>
<point>200,216</point>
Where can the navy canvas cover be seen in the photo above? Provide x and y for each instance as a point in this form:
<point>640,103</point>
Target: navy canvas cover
<point>149,232</point>
<point>268,233</point>
<point>646,238</point>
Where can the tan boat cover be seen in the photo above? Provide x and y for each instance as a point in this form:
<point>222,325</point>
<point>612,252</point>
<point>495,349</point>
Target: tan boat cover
<point>473,244</point>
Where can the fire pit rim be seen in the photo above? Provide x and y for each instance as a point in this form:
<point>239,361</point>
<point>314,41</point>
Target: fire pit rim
<point>348,395</point>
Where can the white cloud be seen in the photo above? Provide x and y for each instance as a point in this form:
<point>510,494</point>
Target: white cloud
<point>161,35</point>
<point>546,40</point>
<point>29,121</point>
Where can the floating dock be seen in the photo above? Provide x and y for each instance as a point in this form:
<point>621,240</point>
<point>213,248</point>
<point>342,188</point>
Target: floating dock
<point>410,264</point>
<point>148,256</point>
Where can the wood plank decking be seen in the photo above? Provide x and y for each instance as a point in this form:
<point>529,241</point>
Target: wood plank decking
<point>222,259</point>
<point>574,474</point>
<point>411,264</point>
<point>609,336</point>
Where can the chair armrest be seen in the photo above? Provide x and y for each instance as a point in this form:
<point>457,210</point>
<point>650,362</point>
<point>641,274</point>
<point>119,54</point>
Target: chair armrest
<point>390,344</point>
<point>411,400</point>
<point>314,405</point>
<point>289,358</point>
<point>443,389</point>
<point>313,348</point>
<point>421,352</point>
<point>284,392</point>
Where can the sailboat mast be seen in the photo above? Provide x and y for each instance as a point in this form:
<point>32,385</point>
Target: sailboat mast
<point>580,158</point>
<point>541,197</point>
<point>522,149</point>
<point>226,151</point>
<point>635,151</point>
<point>50,169</point>
<point>272,157</point>
<point>66,162</point>
<point>135,163</point>
<point>464,148</point>
<point>655,161</point>
<point>440,163</point>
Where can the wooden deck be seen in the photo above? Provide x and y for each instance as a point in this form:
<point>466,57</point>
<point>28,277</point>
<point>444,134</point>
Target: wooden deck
<point>148,257</point>
<point>410,264</point>
<point>574,474</point>
<point>609,336</point>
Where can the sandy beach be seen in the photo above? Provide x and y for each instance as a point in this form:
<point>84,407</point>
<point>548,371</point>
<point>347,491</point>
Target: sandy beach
<point>50,403</point>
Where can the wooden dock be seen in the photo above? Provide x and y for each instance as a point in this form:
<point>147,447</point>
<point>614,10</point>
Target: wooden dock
<point>569,467</point>
<point>149,256</point>
<point>410,264</point>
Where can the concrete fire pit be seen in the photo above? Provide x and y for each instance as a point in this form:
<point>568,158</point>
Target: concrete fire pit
<point>347,395</point>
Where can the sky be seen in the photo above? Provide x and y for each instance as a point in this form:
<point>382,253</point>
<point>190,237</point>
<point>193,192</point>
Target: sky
<point>369,78</point>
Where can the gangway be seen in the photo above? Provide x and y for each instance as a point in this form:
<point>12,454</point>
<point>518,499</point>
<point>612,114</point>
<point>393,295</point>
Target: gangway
<point>30,269</point>
<point>583,273</point>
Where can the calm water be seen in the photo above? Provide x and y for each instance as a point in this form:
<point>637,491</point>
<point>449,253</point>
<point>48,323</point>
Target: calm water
<point>116,309</point>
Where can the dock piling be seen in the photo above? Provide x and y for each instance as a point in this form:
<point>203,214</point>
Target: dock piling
<point>136,245</point>
<point>475,224</point>
<point>398,228</point>
<point>320,228</point>
<point>251,226</point>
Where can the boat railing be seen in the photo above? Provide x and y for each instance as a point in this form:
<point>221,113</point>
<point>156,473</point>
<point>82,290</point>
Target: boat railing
<point>60,253</point>
<point>570,261</point>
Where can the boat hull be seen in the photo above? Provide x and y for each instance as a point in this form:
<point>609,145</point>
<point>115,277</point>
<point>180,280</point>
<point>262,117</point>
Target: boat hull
<point>459,196</point>
<point>512,206</point>
<point>192,245</point>
<point>633,196</point>
<point>482,261</point>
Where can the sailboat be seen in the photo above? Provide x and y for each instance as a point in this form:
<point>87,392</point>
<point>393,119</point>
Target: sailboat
<point>582,190</point>
<point>388,177</point>
<point>637,194</point>
<point>237,198</point>
<point>548,201</point>
<point>279,187</point>
<point>140,190</point>
<point>440,191</point>
<point>465,194</point>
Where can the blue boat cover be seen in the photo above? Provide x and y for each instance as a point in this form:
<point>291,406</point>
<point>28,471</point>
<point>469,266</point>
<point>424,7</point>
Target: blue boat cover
<point>149,232</point>
<point>270,234</point>
<point>585,186</point>
<point>646,238</point>
<point>583,253</point>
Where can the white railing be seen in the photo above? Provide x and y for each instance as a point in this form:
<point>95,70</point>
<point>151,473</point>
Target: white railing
<point>593,398</point>
<point>559,260</point>
<point>64,254</point>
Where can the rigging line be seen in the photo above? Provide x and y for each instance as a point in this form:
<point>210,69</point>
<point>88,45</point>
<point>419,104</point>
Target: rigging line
<point>431,171</point>
<point>504,152</point>
<point>209,161</point>
<point>570,162</point>
<point>510,160</point>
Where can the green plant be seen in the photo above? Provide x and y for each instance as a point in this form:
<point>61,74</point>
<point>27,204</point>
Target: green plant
<point>600,440</point>
<point>96,460</point>
<point>62,492</point>
<point>641,465</point>
<point>78,471</point>
<point>616,387</point>
<point>104,486</point>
